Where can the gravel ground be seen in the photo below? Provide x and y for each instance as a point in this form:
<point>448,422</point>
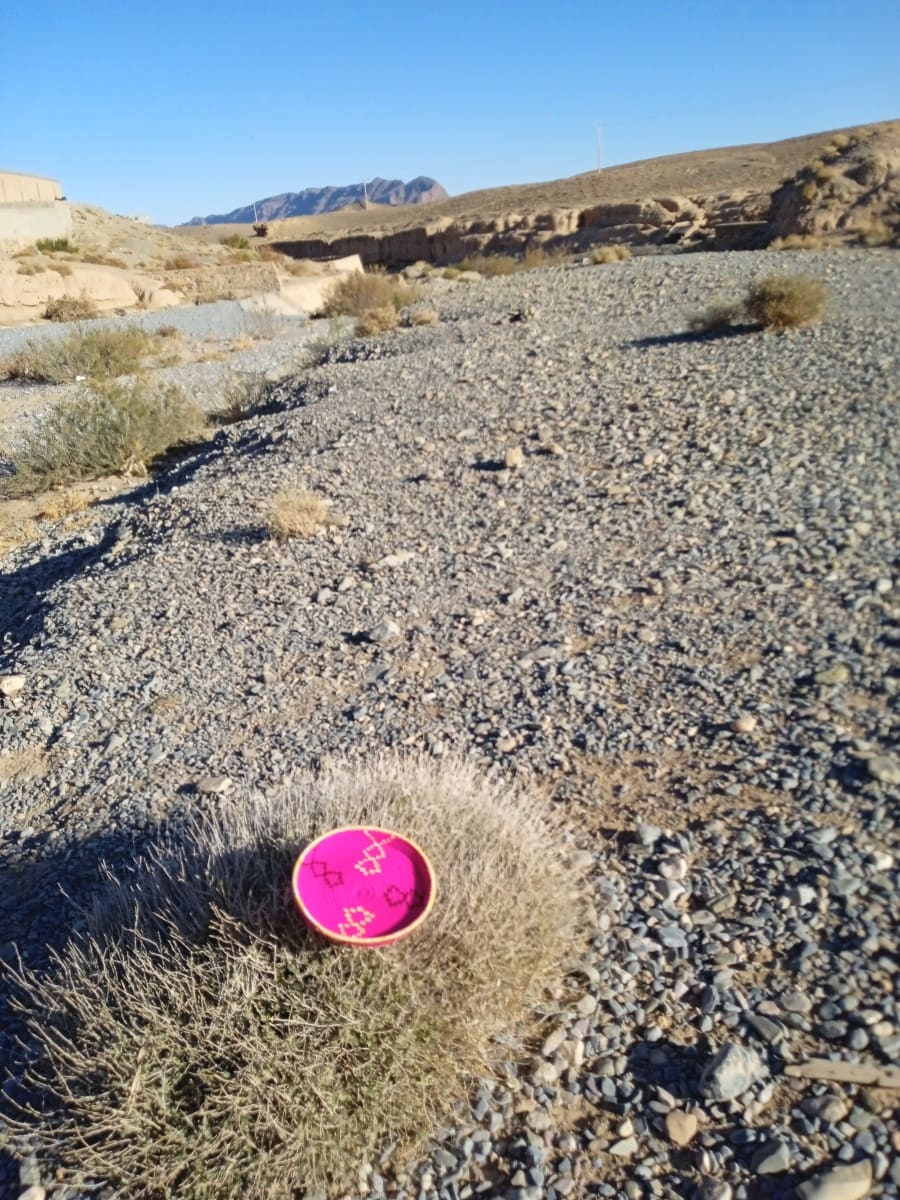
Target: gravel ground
<point>678,614</point>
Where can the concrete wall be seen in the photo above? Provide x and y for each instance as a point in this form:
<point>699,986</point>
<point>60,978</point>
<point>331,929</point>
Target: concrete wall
<point>16,188</point>
<point>22,224</point>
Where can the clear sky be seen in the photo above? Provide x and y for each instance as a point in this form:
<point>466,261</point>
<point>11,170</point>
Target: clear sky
<point>179,109</point>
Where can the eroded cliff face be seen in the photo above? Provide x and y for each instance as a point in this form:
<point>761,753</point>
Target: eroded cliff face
<point>850,193</point>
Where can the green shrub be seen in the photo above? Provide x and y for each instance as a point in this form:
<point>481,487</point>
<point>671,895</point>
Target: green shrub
<point>56,245</point>
<point>783,302</point>
<point>236,241</point>
<point>106,428</point>
<point>196,1040</point>
<point>97,353</point>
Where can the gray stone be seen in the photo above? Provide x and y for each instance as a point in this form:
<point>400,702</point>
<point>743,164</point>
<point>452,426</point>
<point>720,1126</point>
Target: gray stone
<point>732,1072</point>
<point>847,1182</point>
<point>771,1158</point>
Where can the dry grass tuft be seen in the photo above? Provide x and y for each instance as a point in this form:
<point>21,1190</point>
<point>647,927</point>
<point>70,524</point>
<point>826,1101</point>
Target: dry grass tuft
<point>786,301</point>
<point>610,254</point>
<point>877,234</point>
<point>539,257</point>
<point>106,428</point>
<point>194,1040</point>
<point>182,262</point>
<point>61,268</point>
<point>62,503</point>
<point>300,267</point>
<point>296,512</point>
<point>424,316</point>
<point>104,260</point>
<point>377,320</point>
<point>716,317</point>
<point>363,292</point>
<point>31,268</point>
<point>97,353</point>
<point>799,241</point>
<point>489,265</point>
<point>241,396</point>
<point>235,241</point>
<point>71,308</point>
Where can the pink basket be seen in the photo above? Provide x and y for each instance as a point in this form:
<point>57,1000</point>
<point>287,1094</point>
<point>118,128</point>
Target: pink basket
<point>369,887</point>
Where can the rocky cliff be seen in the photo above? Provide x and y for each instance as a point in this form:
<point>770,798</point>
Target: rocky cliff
<point>312,201</point>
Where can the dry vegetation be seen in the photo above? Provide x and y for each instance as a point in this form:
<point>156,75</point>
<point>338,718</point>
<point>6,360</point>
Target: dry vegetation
<point>296,513</point>
<point>784,302</point>
<point>424,316</point>
<point>71,308</point>
<point>610,254</point>
<point>776,302</point>
<point>106,428</point>
<point>195,1040</point>
<point>96,353</point>
<point>362,292</point>
<point>377,320</point>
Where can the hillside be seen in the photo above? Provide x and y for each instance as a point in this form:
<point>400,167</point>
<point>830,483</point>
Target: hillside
<point>313,201</point>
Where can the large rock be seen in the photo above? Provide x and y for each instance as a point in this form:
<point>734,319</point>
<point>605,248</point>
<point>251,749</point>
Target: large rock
<point>732,1072</point>
<point>846,1182</point>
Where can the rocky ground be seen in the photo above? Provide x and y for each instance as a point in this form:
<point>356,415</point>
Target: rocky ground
<point>657,574</point>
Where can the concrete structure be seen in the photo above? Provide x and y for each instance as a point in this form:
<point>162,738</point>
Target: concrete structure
<point>31,207</point>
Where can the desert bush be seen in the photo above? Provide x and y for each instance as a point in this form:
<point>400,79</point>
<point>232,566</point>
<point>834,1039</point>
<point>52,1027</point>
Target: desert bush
<point>56,246</point>
<point>103,260</point>
<point>877,234</point>
<point>377,320</point>
<point>799,241</point>
<point>241,396</point>
<point>168,331</point>
<point>269,254</point>
<point>489,265</point>
<point>783,302</point>
<point>60,268</point>
<point>716,317</point>
<point>450,273</point>
<point>30,268</point>
<point>353,295</point>
<point>236,241</point>
<point>826,174</point>
<point>296,513</point>
<point>609,254</point>
<point>424,316</point>
<point>196,1040</point>
<point>106,428</point>
<point>539,257</point>
<point>809,191</point>
<point>182,262</point>
<point>71,308</point>
<point>97,353</point>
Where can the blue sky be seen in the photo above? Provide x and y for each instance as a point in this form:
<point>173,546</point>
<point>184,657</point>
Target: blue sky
<point>182,109</point>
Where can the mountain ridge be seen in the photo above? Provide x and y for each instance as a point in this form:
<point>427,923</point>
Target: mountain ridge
<point>312,201</point>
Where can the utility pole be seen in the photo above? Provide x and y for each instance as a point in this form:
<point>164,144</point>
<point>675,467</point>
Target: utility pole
<point>366,195</point>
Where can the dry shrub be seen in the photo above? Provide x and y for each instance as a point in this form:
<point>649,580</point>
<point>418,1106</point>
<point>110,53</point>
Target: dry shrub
<point>809,191</point>
<point>61,268</point>
<point>269,254</point>
<point>241,396</point>
<point>62,503</point>
<point>168,331</point>
<point>610,254</point>
<point>783,302</point>
<point>105,429</point>
<point>71,308</point>
<point>104,260</point>
<point>196,1040</point>
<point>377,320</point>
<point>489,265</point>
<point>877,234</point>
<point>353,295</point>
<point>799,241</point>
<point>235,241</point>
<point>301,267</point>
<point>30,268</point>
<point>424,316</point>
<point>182,262</point>
<point>296,512</point>
<point>97,353</point>
<point>716,317</point>
<point>451,273</point>
<point>539,257</point>
<point>826,174</point>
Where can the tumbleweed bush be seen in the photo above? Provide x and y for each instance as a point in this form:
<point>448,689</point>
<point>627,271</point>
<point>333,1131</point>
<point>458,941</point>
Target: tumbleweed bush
<point>196,1040</point>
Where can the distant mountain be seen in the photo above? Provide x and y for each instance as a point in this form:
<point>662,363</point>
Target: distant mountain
<point>312,201</point>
